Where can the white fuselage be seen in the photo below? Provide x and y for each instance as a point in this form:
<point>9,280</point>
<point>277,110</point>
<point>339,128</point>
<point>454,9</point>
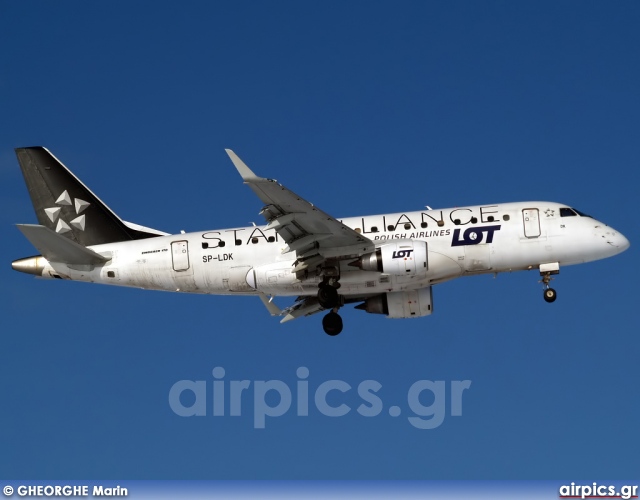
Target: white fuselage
<point>460,241</point>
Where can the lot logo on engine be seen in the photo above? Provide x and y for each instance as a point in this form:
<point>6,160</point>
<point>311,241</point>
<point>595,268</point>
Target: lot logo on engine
<point>473,235</point>
<point>400,254</point>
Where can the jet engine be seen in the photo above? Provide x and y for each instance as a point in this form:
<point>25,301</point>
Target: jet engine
<point>401,258</point>
<point>409,304</point>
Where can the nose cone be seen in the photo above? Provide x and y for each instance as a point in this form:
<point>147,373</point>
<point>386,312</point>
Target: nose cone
<point>621,242</point>
<point>616,241</point>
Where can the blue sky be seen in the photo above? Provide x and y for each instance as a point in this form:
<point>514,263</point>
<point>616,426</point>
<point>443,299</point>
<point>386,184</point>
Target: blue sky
<point>362,108</point>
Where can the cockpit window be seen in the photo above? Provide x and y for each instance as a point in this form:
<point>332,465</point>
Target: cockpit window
<point>581,214</point>
<point>572,212</point>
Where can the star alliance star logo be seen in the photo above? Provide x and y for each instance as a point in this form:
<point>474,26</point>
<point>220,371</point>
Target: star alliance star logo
<point>549,213</point>
<point>65,200</point>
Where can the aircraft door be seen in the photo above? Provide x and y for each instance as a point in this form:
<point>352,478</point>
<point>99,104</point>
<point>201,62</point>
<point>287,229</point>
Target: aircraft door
<point>531,221</point>
<point>180,255</point>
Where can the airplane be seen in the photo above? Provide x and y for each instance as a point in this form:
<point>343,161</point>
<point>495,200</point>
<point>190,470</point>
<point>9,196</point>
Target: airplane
<point>385,264</point>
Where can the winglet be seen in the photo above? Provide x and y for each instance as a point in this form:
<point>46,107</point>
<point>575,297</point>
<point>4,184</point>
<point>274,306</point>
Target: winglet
<point>273,309</point>
<point>245,172</point>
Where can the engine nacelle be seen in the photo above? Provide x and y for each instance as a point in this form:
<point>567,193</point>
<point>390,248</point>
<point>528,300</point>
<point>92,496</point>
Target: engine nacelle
<point>400,258</point>
<point>409,304</point>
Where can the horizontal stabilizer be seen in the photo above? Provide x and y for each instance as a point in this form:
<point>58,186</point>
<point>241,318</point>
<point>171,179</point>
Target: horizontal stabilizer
<point>57,248</point>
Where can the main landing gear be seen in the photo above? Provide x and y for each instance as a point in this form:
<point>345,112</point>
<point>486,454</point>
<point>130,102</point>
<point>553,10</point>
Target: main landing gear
<point>332,323</point>
<point>329,298</point>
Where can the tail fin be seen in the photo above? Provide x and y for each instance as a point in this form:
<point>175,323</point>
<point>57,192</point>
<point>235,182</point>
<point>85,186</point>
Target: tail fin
<point>68,207</point>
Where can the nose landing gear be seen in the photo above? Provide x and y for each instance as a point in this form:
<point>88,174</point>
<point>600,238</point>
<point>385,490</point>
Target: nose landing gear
<point>550,294</point>
<point>546,270</point>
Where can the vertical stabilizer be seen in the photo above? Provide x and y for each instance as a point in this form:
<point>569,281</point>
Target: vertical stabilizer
<point>66,206</point>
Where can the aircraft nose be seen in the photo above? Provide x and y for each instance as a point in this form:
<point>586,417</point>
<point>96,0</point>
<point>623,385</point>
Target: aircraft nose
<point>621,242</point>
<point>615,239</point>
<point>611,242</point>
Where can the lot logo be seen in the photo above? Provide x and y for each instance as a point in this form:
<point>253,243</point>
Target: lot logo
<point>473,235</point>
<point>400,254</point>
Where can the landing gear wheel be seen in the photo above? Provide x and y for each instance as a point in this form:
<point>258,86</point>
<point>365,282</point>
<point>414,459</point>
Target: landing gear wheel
<point>332,324</point>
<point>550,295</point>
<point>328,297</point>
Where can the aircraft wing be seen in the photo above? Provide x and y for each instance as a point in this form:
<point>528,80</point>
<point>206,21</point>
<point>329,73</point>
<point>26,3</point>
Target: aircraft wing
<point>303,306</point>
<point>305,228</point>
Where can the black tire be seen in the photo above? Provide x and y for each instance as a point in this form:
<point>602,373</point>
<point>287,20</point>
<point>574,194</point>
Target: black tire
<point>332,324</point>
<point>550,295</point>
<point>328,297</point>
